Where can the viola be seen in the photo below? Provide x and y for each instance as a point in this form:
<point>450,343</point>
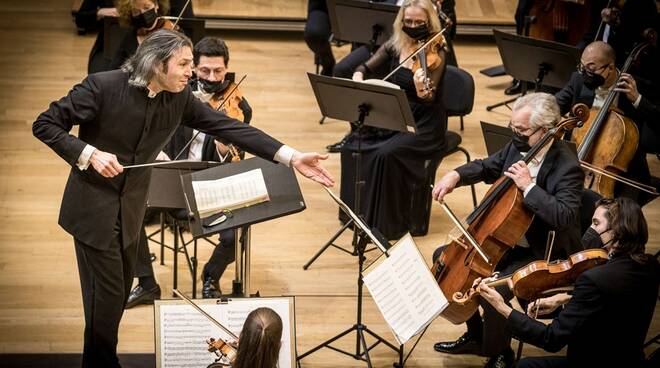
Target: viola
<point>494,227</point>
<point>541,278</point>
<point>428,57</point>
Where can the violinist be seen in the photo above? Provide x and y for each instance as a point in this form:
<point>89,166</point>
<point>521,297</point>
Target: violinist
<point>260,340</point>
<point>551,185</point>
<point>143,16</point>
<point>90,16</point>
<point>125,117</point>
<point>606,318</point>
<point>211,60</point>
<point>393,162</point>
<point>639,100</point>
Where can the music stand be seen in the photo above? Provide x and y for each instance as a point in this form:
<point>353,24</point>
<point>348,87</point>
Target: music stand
<point>285,199</point>
<point>371,105</point>
<point>362,21</point>
<point>545,63</point>
<point>165,193</point>
<point>495,136</point>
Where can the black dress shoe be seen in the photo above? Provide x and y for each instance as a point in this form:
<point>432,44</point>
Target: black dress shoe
<point>211,289</point>
<point>503,360</point>
<point>140,295</point>
<point>514,88</point>
<point>336,147</point>
<point>465,344</point>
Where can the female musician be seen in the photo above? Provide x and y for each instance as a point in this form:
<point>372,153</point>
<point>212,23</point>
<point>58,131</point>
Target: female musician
<point>605,321</point>
<point>260,340</point>
<point>551,185</point>
<point>143,17</point>
<point>393,162</point>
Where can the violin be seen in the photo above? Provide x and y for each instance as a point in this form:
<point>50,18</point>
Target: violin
<point>541,278</point>
<point>494,227</point>
<point>228,102</point>
<point>225,351</point>
<point>428,57</point>
<point>161,23</point>
<point>609,140</point>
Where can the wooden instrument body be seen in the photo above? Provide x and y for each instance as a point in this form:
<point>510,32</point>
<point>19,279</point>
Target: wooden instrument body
<point>497,230</point>
<point>231,107</point>
<point>612,149</point>
<point>540,278</point>
<point>562,21</point>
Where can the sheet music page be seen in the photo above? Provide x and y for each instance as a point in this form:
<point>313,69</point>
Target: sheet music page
<point>184,331</point>
<point>244,189</point>
<point>405,291</point>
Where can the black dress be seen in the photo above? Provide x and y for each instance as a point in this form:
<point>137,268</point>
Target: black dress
<point>392,164</point>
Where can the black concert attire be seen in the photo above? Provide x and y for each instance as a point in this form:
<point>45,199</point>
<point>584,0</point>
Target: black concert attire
<point>105,215</point>
<point>555,201</point>
<point>393,162</point>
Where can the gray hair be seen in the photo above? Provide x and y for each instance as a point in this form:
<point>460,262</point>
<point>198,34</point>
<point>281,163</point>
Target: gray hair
<point>545,111</point>
<point>154,51</point>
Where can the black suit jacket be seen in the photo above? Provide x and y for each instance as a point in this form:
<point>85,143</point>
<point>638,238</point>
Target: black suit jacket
<point>605,322</point>
<point>119,118</point>
<point>555,199</point>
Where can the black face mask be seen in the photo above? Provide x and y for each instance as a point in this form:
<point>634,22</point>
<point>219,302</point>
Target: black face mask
<point>213,86</point>
<point>146,19</point>
<point>417,33</point>
<point>591,239</point>
<point>521,142</point>
<point>592,80</point>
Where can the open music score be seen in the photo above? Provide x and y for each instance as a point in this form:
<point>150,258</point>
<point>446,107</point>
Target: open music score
<point>404,290</point>
<point>240,190</point>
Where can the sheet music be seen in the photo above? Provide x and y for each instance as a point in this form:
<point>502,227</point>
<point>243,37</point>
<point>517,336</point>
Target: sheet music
<point>404,290</point>
<point>183,330</point>
<point>240,190</point>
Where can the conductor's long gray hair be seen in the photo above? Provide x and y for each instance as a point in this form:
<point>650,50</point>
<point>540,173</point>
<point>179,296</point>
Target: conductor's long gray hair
<point>153,53</point>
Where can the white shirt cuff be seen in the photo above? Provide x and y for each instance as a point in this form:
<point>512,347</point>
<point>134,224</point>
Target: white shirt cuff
<point>85,155</point>
<point>284,155</point>
<point>637,101</point>
<point>529,187</point>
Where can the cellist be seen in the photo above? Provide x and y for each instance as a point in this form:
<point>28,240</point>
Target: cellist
<point>210,67</point>
<point>605,320</point>
<point>638,100</point>
<point>551,185</point>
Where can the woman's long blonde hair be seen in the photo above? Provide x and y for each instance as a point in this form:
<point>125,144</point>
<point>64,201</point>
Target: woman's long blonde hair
<point>124,9</point>
<point>399,39</point>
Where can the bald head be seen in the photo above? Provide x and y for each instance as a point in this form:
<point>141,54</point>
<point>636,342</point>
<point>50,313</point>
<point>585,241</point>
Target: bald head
<point>599,52</point>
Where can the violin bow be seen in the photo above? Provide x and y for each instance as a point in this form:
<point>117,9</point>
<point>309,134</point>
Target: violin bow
<point>428,42</point>
<point>465,233</point>
<point>200,310</point>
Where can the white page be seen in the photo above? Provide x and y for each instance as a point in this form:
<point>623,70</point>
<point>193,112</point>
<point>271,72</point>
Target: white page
<point>230,192</point>
<point>183,330</point>
<point>405,291</point>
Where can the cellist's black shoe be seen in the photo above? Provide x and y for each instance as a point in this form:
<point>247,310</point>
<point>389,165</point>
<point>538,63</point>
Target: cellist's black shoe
<point>465,344</point>
<point>503,360</point>
<point>336,147</point>
<point>211,288</point>
<point>514,88</point>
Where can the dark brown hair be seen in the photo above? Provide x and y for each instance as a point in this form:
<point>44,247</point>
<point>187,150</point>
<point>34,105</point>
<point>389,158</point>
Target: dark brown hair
<point>629,229</point>
<point>260,340</point>
<point>211,47</point>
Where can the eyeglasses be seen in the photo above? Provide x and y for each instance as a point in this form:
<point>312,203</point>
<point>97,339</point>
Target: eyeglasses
<point>521,132</point>
<point>582,69</point>
<point>413,22</point>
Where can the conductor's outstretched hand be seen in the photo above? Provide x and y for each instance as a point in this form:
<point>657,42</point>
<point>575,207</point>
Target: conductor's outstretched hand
<point>309,165</point>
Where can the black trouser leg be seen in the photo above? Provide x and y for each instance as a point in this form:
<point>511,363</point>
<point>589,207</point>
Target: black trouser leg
<point>143,266</point>
<point>317,36</point>
<point>106,277</point>
<point>543,362</point>
<point>223,255</point>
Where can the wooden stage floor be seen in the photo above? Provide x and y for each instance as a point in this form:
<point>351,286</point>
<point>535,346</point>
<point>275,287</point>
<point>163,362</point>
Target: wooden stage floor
<point>40,302</point>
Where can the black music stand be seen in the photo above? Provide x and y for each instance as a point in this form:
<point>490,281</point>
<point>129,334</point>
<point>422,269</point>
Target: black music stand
<point>495,136</point>
<point>362,22</point>
<point>165,194</point>
<point>545,63</point>
<point>371,105</point>
<point>285,199</point>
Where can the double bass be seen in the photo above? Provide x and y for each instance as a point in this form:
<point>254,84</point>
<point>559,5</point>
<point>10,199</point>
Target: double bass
<point>564,21</point>
<point>494,227</point>
<point>608,140</point>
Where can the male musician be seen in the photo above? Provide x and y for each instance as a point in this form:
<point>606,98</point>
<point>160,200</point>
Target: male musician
<point>126,116</point>
<point>605,320</point>
<point>551,185</point>
<point>591,84</point>
<point>211,60</point>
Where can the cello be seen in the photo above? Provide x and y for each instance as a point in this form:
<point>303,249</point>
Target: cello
<point>608,140</point>
<point>494,227</point>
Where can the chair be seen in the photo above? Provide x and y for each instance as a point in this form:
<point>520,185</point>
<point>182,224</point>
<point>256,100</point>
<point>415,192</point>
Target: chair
<point>458,100</point>
<point>458,92</point>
